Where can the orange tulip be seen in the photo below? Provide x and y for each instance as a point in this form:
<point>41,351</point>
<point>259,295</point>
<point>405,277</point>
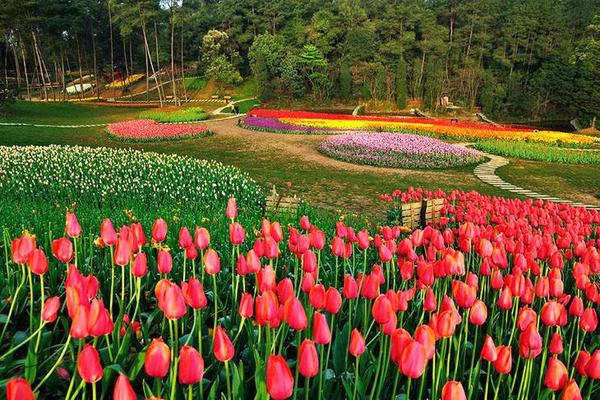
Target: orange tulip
<point>453,390</point>
<point>158,359</point>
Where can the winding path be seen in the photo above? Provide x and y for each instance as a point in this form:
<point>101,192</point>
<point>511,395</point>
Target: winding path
<point>486,172</point>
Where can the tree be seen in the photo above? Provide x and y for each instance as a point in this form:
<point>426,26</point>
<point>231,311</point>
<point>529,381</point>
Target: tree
<point>218,55</point>
<point>345,81</point>
<point>401,90</point>
<point>587,79</point>
<point>314,67</point>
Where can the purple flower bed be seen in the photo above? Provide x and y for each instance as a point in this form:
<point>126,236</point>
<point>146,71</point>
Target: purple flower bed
<point>397,150</point>
<point>274,125</point>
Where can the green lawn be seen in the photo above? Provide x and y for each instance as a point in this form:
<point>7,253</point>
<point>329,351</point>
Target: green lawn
<point>345,187</point>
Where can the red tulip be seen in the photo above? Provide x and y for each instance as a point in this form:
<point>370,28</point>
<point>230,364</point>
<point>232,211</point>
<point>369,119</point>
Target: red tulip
<point>88,364</point>
<point>530,342</point>
<point>138,235</point>
<point>79,325</point>
<point>503,363</point>
<point>193,293</point>
<point>172,302</point>
<point>222,347</point>
<point>478,314</point>
<point>140,265</point>
<point>426,336</point>
<point>212,263</point>
<point>73,229</point>
<point>191,366</point>
<point>231,211</point>
<point>382,310</point>
<point>123,389</point>
<point>246,308</point>
<point>526,317</point>
<point>556,344</point>
<point>50,312</point>
<point>158,359</point>
<point>589,320</point>
<point>576,307</point>
<point>317,297</point>
<point>267,309</point>
<point>309,261</point>
<point>488,351</point>
<point>430,302</point>
<point>453,390</point>
<point>280,382</point>
<point>185,238</point>
<point>304,223</point>
<point>38,263</point>
<point>62,249</point>
<point>333,300</point>
<point>123,251</point>
<point>550,313</point>
<point>581,362</point>
<point>294,315</point>
<point>22,248</point>
<point>571,391</point>
<point>308,359</point>
<point>19,389</point>
<point>357,343</point>
<point>191,253</point>
<point>505,299</point>
<point>285,290</point>
<point>592,368</point>
<point>321,332</point>
<point>159,230</point>
<point>164,262</point>
<point>464,295</point>
<point>99,320</point>
<point>236,233</point>
<point>201,238</point>
<point>556,374</point>
<point>413,360</point>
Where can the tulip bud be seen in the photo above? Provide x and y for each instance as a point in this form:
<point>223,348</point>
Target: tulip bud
<point>478,314</point>
<point>193,293</point>
<point>212,263</point>
<point>246,308</point>
<point>140,265</point>
<point>453,390</point>
<point>571,391</point>
<point>357,343</point>
<point>350,290</point>
<point>413,360</point>
<point>159,230</point>
<point>62,249</point>
<point>88,364</point>
<point>488,351</point>
<point>294,314</point>
<point>185,238</point>
<point>123,389</point>
<point>51,307</point>
<point>38,263</point>
<point>556,344</point>
<point>333,300</point>
<point>503,363</point>
<point>72,227</point>
<point>191,366</point>
<point>222,347</point>
<point>321,332</point>
<point>556,374</point>
<point>201,238</point>
<point>19,389</point>
<point>308,359</point>
<point>158,358</point>
<point>280,382</point>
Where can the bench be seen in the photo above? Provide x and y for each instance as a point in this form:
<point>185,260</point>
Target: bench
<point>279,204</point>
<point>422,213</point>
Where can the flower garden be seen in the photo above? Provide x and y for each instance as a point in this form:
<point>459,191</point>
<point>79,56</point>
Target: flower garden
<point>188,114</point>
<point>149,130</point>
<point>298,121</point>
<point>397,150</point>
<point>123,83</point>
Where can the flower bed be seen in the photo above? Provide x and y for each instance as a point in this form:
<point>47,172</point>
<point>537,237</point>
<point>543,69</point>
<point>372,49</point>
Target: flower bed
<point>397,150</point>
<point>123,83</point>
<point>501,296</point>
<point>189,114</point>
<point>266,124</point>
<point>148,130</point>
<point>539,152</point>
<point>119,178</point>
<point>439,127</point>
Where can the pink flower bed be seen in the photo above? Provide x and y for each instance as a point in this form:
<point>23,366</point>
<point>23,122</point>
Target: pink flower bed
<point>147,129</point>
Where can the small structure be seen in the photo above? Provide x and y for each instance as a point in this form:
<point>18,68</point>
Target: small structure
<point>279,204</point>
<point>422,213</point>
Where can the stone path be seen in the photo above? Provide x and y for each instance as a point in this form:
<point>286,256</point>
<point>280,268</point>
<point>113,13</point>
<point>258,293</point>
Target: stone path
<point>486,172</point>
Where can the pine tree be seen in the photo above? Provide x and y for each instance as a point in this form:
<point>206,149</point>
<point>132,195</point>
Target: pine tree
<point>345,81</point>
<point>401,90</point>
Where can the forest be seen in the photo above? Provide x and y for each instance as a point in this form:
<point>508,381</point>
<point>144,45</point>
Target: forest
<point>512,59</point>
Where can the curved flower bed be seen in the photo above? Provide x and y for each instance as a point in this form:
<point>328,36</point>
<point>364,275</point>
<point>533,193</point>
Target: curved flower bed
<point>142,130</point>
<point>266,124</point>
<point>437,127</point>
<point>119,177</point>
<point>397,150</point>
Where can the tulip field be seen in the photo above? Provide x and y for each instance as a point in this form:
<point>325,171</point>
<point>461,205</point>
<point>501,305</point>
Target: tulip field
<point>300,121</point>
<point>498,299</point>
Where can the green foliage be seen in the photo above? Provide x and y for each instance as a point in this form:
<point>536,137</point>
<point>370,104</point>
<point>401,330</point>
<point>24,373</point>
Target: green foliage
<point>345,81</point>
<point>400,81</point>
<point>219,58</point>
<point>188,114</point>
<point>539,152</point>
<point>587,79</point>
<point>195,83</point>
<point>314,69</point>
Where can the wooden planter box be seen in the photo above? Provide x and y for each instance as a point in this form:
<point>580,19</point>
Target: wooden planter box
<point>422,213</point>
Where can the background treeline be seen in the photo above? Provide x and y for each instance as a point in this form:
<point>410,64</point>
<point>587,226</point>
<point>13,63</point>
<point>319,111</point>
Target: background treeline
<point>521,58</point>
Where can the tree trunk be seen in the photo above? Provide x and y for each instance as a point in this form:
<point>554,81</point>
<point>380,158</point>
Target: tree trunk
<point>62,72</point>
<point>95,65</point>
<point>125,58</point>
<point>182,66</point>
<point>157,74</point>
<point>143,23</point>
<point>40,67</point>
<point>112,51</point>
<point>17,64</point>
<point>80,91</point>
<point>173,54</point>
<point>6,62</point>
<point>22,46</point>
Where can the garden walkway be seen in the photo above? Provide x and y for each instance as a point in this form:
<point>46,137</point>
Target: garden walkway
<point>487,173</point>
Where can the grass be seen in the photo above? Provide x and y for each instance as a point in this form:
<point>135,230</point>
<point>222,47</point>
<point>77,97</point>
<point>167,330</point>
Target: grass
<point>244,106</point>
<point>340,186</point>
<point>188,114</point>
<point>195,83</point>
<point>538,152</point>
<point>66,113</point>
